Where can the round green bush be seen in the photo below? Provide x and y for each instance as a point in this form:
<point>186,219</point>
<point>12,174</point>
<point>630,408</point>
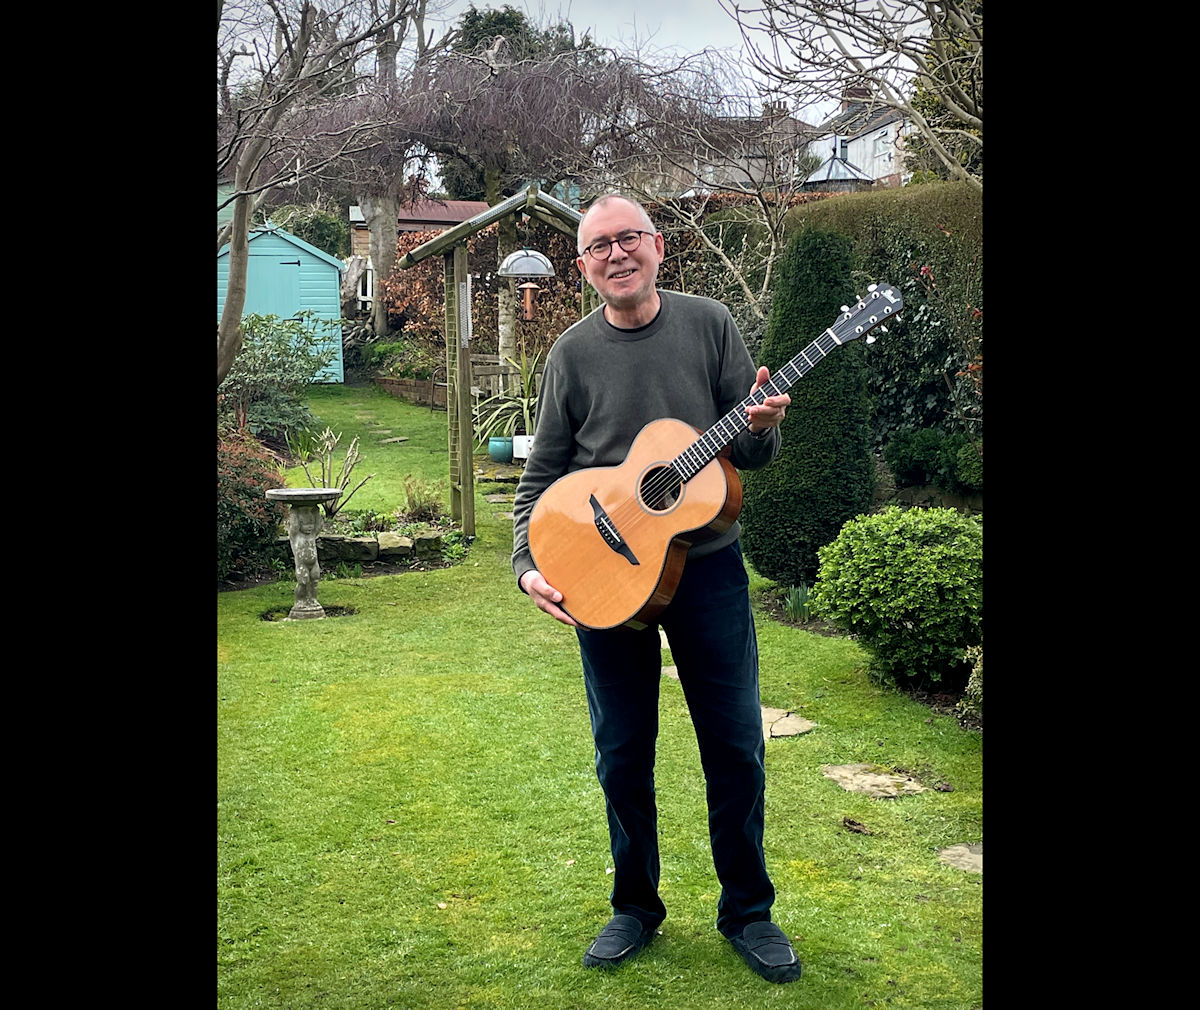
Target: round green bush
<point>247,522</point>
<point>908,583</point>
<point>969,467</point>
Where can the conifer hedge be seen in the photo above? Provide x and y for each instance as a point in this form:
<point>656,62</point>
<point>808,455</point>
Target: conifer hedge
<point>823,475</point>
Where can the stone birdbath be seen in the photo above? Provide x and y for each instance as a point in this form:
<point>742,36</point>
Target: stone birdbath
<point>303,525</point>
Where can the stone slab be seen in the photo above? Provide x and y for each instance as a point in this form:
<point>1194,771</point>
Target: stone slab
<point>393,545</point>
<point>876,781</point>
<point>391,441</point>
<point>779,722</point>
<point>967,856</point>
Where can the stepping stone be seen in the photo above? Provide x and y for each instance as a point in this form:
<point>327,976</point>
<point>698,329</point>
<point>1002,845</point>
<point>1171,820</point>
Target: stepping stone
<point>505,515</point>
<point>389,441</point>
<point>876,781</point>
<point>491,499</point>
<point>967,856</point>
<point>382,431</point>
<point>779,722</point>
<point>671,671</point>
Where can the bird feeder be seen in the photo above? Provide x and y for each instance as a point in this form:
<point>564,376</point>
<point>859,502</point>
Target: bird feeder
<point>526,263</point>
<point>529,287</point>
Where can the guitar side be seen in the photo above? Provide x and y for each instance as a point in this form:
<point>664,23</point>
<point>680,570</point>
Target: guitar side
<point>615,558</point>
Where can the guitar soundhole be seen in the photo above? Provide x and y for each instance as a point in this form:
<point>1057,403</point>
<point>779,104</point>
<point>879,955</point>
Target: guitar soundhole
<point>660,489</point>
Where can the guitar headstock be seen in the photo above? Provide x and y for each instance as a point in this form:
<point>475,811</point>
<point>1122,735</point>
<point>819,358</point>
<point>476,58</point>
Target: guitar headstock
<point>877,306</point>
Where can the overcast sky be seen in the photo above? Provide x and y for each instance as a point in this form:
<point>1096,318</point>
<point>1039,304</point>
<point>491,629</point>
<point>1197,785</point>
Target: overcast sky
<point>682,25</point>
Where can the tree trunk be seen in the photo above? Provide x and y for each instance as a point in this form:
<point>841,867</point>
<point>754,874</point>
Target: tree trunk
<point>229,329</point>
<point>380,211</point>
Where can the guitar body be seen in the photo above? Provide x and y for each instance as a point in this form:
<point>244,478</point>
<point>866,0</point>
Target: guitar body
<point>613,540</point>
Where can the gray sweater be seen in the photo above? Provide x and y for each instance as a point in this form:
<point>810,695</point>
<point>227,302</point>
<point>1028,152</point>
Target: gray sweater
<point>602,385</point>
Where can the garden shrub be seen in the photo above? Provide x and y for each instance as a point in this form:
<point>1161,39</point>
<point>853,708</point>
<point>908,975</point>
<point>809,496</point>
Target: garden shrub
<point>931,456</point>
<point>969,467</point>
<point>971,703</point>
<point>266,389</point>
<point>247,522</point>
<point>823,474</point>
<point>908,583</point>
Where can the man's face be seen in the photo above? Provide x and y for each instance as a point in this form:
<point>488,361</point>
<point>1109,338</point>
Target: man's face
<point>626,279</point>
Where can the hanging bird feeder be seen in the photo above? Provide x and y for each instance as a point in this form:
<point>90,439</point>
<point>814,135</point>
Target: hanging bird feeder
<point>529,287</point>
<point>529,264</point>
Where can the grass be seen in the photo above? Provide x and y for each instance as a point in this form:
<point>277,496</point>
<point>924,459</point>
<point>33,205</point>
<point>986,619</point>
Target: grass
<point>408,814</point>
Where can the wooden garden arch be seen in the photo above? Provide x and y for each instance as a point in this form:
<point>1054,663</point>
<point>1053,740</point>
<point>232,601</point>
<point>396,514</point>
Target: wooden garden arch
<point>452,244</point>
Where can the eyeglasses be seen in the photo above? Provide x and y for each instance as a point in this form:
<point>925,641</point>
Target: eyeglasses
<point>601,249</point>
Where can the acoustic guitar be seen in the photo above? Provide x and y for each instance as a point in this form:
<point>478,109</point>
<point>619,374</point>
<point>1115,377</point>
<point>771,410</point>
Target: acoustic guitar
<point>613,539</point>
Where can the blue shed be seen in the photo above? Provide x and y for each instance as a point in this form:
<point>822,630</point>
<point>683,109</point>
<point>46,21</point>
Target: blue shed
<point>286,275</point>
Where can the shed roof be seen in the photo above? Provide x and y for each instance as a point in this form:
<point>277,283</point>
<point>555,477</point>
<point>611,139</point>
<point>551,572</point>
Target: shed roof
<point>270,229</point>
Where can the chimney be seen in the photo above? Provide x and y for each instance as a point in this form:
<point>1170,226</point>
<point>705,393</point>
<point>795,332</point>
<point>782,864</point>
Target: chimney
<point>850,95</point>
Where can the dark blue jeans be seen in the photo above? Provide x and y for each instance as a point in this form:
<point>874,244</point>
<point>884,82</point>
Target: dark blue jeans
<point>711,632</point>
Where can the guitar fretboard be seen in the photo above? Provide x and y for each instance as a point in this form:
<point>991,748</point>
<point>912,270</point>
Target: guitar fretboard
<point>868,313</point>
<point>709,445</point>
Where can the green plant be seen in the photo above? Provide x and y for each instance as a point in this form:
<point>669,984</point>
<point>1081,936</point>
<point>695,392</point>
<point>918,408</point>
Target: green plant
<point>969,467</point>
<point>265,390</point>
<point>454,546</point>
<point>305,446</point>
<point>247,521</point>
<point>422,500</point>
<point>510,413</point>
<point>368,521</point>
<point>823,474</point>
<point>345,570</point>
<point>949,461</point>
<point>971,702</point>
<point>328,231</point>
<point>796,603</point>
<point>909,585</point>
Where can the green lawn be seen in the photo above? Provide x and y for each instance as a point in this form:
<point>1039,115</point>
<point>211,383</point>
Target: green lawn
<point>408,814</point>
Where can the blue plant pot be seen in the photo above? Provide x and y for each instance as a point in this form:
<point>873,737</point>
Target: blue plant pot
<point>500,449</point>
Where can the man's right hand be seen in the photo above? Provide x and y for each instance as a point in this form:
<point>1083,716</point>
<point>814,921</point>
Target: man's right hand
<point>545,596</point>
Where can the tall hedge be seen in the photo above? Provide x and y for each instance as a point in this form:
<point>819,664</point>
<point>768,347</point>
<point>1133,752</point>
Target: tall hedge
<point>928,241</point>
<point>823,474</point>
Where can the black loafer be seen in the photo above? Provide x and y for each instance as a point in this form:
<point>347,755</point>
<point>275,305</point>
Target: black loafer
<point>623,937</point>
<point>764,947</point>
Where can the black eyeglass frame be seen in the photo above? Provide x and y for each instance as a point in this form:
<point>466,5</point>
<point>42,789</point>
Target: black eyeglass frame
<point>619,240</point>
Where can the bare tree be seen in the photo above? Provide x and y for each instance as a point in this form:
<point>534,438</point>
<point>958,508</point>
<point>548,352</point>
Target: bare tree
<point>276,61</point>
<point>894,48</point>
<point>697,138</point>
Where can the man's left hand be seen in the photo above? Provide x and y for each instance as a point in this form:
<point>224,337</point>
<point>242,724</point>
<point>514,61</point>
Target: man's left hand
<point>773,408</point>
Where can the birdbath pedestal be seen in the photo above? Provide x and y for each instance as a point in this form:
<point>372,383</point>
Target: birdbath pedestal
<point>303,524</point>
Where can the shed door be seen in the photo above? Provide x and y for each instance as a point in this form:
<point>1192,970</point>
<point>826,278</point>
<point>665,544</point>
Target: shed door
<point>273,285</point>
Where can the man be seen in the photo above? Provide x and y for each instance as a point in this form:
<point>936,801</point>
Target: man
<point>649,354</point>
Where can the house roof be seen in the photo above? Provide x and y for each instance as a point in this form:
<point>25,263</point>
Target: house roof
<point>427,214</point>
<point>834,169</point>
<point>859,118</point>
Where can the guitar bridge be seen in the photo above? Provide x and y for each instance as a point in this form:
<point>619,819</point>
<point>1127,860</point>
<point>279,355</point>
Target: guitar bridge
<point>609,532</point>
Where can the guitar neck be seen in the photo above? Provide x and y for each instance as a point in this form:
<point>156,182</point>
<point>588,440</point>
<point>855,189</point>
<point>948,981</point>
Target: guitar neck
<point>709,445</point>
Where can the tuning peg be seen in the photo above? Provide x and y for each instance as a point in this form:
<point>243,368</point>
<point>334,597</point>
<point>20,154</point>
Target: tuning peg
<point>883,329</point>
<point>870,338</point>
<point>845,308</point>
<point>872,287</point>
